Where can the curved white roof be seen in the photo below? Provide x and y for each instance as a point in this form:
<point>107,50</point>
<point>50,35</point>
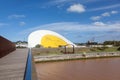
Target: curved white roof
<point>35,37</point>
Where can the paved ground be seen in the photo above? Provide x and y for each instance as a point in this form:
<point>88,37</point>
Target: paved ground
<point>12,66</point>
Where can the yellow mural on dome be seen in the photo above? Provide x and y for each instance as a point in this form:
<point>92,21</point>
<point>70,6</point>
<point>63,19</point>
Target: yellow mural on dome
<point>52,41</point>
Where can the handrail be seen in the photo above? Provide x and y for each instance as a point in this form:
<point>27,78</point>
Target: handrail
<point>28,70</point>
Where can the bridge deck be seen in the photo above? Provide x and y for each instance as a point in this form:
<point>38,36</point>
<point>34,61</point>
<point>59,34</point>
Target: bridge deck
<point>12,66</point>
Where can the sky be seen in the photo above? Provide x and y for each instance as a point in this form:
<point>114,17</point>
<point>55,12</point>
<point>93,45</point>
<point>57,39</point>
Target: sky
<point>77,20</point>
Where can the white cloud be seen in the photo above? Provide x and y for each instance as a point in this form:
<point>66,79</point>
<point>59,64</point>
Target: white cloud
<point>16,16</point>
<point>74,26</point>
<point>60,1</point>
<point>99,24</point>
<point>78,8</point>
<point>105,14</point>
<point>114,12</point>
<point>95,18</point>
<point>106,7</point>
<point>57,3</point>
<point>22,23</point>
<point>108,31</point>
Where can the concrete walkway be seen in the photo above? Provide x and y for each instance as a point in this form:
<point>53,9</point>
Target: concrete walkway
<point>12,66</point>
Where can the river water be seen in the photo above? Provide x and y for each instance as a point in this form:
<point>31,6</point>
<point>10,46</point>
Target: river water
<point>91,69</point>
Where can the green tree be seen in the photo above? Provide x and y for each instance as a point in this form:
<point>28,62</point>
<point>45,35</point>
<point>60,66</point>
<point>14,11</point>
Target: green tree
<point>38,46</point>
<point>118,49</point>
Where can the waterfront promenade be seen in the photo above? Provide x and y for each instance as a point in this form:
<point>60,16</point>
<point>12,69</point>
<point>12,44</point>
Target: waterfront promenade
<point>39,58</point>
<point>12,66</point>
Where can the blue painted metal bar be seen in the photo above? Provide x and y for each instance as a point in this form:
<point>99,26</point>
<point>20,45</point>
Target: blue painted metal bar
<point>28,70</point>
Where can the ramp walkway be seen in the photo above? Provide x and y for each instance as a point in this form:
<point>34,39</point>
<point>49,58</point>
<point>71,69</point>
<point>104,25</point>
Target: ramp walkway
<point>12,66</point>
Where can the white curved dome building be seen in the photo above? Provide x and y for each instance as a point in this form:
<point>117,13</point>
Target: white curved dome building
<point>47,38</point>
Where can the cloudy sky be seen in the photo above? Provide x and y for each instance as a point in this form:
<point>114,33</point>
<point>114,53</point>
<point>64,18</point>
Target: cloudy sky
<point>77,20</point>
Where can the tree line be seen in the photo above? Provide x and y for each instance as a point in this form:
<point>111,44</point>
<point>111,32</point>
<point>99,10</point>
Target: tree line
<point>114,43</point>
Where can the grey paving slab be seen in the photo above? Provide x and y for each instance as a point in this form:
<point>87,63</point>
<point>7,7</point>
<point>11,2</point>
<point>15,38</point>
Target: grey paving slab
<point>12,66</point>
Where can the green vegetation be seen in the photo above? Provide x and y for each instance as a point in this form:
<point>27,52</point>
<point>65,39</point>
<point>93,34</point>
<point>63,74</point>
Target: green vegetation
<point>97,49</point>
<point>104,49</point>
<point>57,51</point>
<point>78,59</point>
<point>114,43</point>
<point>118,48</point>
<point>38,46</point>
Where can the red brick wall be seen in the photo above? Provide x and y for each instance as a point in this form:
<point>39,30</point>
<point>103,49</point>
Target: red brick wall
<point>6,46</point>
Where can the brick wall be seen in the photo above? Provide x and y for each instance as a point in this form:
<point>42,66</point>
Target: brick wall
<point>6,46</point>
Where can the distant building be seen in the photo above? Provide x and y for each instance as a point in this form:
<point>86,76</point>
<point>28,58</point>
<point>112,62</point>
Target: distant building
<point>101,45</point>
<point>81,46</point>
<point>21,44</point>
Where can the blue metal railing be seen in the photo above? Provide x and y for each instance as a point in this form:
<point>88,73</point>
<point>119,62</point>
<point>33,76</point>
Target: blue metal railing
<point>28,69</point>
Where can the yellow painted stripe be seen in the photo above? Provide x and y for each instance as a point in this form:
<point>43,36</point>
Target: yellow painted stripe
<point>52,41</point>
